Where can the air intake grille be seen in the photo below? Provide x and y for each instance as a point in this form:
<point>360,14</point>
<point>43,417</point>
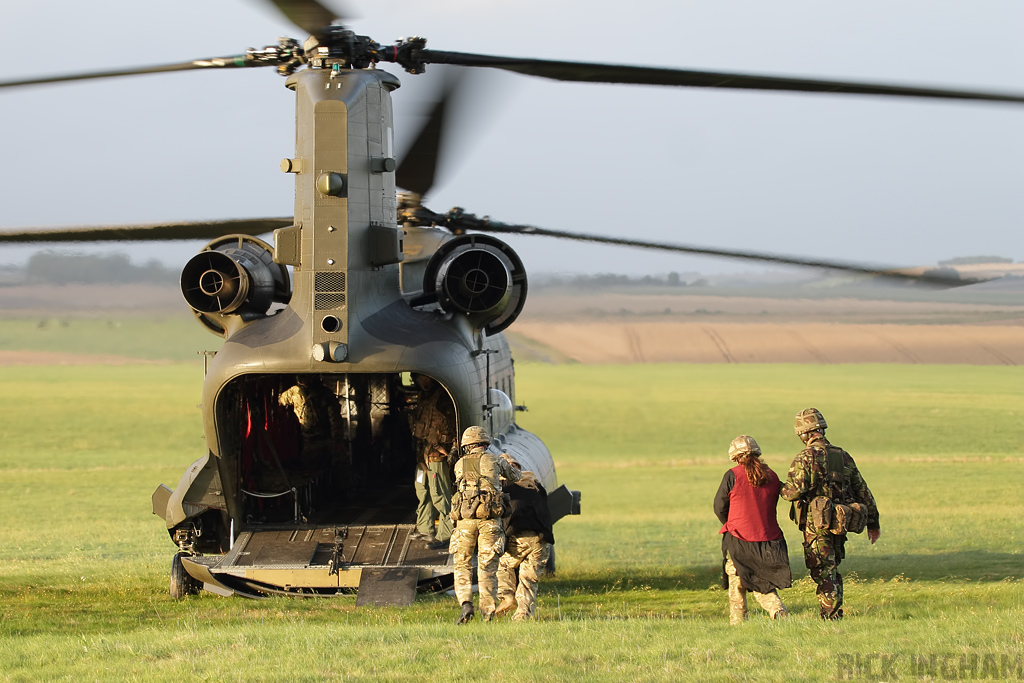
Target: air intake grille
<point>328,291</point>
<point>329,282</point>
<point>325,301</point>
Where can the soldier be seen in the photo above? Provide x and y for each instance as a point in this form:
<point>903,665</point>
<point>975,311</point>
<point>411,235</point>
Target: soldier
<point>432,423</point>
<point>317,409</point>
<point>754,552</point>
<point>527,548</point>
<point>477,507</point>
<point>315,406</point>
<point>830,499</point>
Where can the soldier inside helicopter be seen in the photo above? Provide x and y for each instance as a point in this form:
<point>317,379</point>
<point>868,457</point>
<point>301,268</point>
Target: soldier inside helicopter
<point>323,449</point>
<point>432,422</point>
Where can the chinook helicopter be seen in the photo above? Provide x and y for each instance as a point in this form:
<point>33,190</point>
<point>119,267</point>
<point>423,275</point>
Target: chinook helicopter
<point>359,290</point>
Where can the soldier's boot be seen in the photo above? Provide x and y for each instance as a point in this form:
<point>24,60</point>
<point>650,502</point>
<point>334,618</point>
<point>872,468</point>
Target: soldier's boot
<point>830,594</point>
<point>507,604</point>
<point>467,613</point>
<point>772,604</point>
<point>829,604</point>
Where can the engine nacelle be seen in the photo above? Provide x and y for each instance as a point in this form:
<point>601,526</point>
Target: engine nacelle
<point>234,275</point>
<point>479,276</point>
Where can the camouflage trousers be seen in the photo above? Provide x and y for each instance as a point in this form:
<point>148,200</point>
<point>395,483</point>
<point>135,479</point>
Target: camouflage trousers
<point>434,493</point>
<point>528,553</point>
<point>771,602</point>
<point>485,538</point>
<point>822,554</point>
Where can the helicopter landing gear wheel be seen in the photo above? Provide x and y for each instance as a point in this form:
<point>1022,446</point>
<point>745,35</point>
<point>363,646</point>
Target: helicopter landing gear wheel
<point>182,583</point>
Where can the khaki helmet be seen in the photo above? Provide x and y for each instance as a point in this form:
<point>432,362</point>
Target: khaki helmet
<point>511,461</point>
<point>743,445</point>
<point>809,420</point>
<point>475,435</point>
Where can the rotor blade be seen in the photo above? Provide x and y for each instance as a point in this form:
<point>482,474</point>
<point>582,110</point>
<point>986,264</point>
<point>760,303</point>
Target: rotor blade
<point>200,230</point>
<point>486,225</point>
<point>309,15</point>
<point>418,168</point>
<point>232,62</point>
<point>645,75</point>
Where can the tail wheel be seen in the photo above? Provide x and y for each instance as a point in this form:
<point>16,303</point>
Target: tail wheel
<point>182,583</point>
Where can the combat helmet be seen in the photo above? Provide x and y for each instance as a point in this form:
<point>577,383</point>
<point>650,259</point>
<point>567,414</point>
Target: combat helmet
<point>475,435</point>
<point>743,445</point>
<point>512,461</point>
<point>809,420</point>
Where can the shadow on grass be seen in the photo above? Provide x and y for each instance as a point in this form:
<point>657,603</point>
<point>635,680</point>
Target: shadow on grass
<point>965,565</point>
<point>972,565</point>
<point>638,579</point>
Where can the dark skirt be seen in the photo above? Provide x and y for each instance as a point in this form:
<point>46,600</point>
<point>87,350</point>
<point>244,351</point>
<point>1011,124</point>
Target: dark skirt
<point>761,566</point>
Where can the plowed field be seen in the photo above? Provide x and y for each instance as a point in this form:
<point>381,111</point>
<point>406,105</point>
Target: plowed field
<point>716,329</point>
<point>714,342</point>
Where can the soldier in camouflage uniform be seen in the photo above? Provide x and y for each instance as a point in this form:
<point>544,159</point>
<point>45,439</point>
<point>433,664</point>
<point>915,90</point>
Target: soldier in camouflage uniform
<point>527,547</point>
<point>830,499</point>
<point>477,507</point>
<point>318,412</point>
<point>432,423</point>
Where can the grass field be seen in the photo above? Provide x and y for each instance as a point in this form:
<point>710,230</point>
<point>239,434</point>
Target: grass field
<point>173,336</point>
<point>83,563</point>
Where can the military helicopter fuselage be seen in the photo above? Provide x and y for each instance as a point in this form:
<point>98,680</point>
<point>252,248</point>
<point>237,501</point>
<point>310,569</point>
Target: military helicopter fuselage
<point>308,477</point>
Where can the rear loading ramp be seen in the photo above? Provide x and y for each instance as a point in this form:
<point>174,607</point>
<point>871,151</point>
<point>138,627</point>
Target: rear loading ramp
<point>321,560</point>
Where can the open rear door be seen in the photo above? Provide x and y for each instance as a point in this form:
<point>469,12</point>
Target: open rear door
<point>322,560</point>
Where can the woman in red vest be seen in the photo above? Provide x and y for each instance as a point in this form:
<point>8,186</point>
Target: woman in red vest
<point>754,550</point>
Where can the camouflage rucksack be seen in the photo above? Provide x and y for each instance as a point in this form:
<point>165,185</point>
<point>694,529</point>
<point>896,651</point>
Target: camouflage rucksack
<point>831,510</point>
<point>821,513</point>
<point>849,519</point>
<point>473,498</point>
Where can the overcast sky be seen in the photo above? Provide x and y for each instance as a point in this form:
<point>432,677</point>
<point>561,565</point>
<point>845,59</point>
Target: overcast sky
<point>873,179</point>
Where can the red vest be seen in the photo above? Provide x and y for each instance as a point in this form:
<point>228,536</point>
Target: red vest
<point>752,510</point>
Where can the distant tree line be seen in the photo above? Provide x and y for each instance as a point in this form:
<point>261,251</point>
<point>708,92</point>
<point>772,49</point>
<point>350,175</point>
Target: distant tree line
<point>974,260</point>
<point>62,268</point>
<point>611,280</point>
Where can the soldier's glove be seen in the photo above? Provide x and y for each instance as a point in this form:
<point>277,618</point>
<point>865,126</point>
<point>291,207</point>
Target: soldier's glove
<point>528,480</point>
<point>453,454</point>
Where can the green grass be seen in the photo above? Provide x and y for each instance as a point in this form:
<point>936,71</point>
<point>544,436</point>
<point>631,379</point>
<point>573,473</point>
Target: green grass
<point>669,412</point>
<point>83,563</point>
<point>170,336</point>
